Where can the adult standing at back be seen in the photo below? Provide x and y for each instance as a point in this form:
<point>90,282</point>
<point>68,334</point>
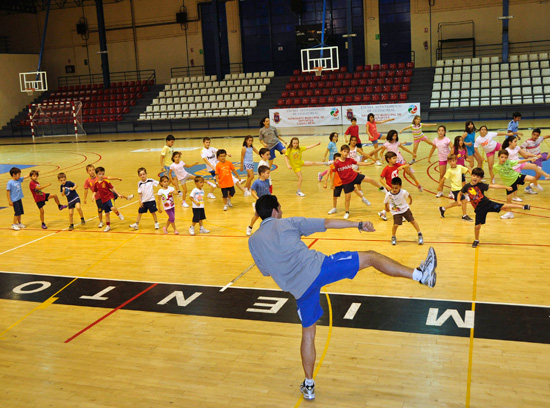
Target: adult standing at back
<point>271,140</point>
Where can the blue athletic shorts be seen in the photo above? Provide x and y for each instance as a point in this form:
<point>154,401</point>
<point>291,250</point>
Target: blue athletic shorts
<point>279,147</point>
<point>339,266</point>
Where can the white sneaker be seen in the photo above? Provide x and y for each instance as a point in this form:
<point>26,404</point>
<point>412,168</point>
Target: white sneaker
<point>529,190</point>
<point>192,230</point>
<point>225,207</point>
<point>333,211</point>
<point>248,231</point>
<point>21,226</point>
<point>300,194</point>
<point>367,202</point>
<point>100,225</point>
<point>537,186</point>
<point>185,205</point>
<point>382,215</point>
<point>507,216</point>
<point>134,226</point>
<point>378,163</point>
<point>15,227</point>
<point>439,194</point>
<point>107,228</point>
<point>451,195</point>
<point>229,202</point>
<point>211,184</point>
<point>210,195</point>
<point>121,216</point>
<point>157,226</point>
<point>346,215</point>
<point>247,193</point>
<point>204,230</point>
<point>319,176</point>
<point>308,391</point>
<point>519,200</point>
<point>427,267</point>
<point>129,197</point>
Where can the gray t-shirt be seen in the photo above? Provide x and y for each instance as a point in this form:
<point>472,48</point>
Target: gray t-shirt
<point>279,252</point>
<point>269,136</point>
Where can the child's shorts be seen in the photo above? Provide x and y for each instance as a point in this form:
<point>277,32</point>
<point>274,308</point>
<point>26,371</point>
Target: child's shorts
<point>442,162</point>
<point>73,203</point>
<point>544,157</point>
<point>18,208</point>
<point>150,206</point>
<point>171,213</point>
<point>359,145</point>
<point>99,204</point>
<point>198,215</point>
<point>455,194</point>
<point>41,204</point>
<point>481,213</point>
<point>520,180</point>
<point>420,139</point>
<point>249,166</point>
<point>212,173</point>
<point>339,266</point>
<point>106,207</point>
<point>497,148</point>
<point>337,191</point>
<point>184,180</point>
<point>398,218</point>
<point>228,192</point>
<point>375,139</point>
<point>463,178</point>
<point>348,188</point>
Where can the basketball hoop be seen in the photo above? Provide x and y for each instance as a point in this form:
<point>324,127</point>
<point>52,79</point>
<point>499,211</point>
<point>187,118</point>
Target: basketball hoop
<point>29,91</point>
<point>318,71</point>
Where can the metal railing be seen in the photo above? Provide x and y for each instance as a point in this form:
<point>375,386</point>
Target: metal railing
<point>145,74</point>
<point>176,72</point>
<point>471,51</point>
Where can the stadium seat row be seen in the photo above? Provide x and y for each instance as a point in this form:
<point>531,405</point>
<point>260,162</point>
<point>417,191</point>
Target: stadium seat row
<point>200,106</point>
<point>211,113</point>
<point>215,91</point>
<point>339,100</point>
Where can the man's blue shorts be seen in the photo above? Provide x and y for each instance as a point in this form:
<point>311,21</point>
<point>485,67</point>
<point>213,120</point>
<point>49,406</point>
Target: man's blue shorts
<point>279,146</point>
<point>336,267</point>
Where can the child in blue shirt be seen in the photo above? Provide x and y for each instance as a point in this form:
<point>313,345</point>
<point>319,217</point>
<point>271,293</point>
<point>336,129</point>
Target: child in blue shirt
<point>15,195</point>
<point>68,189</point>
<point>259,188</point>
<point>331,150</point>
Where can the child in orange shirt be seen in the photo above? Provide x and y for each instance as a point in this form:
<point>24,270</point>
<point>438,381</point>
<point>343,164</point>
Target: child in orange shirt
<point>224,178</point>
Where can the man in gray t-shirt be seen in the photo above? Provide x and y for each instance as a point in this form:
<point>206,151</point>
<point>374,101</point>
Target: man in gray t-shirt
<point>270,138</point>
<point>279,252</point>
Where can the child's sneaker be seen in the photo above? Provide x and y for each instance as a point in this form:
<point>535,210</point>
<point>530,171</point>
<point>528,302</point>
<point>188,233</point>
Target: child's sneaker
<point>249,231</point>
<point>332,211</point>
<point>247,193</point>
<point>100,225</point>
<point>526,207</point>
<point>319,176</point>
<point>529,190</point>
<point>61,207</point>
<point>420,239</point>
<point>107,228</point>
<point>466,218</point>
<point>225,207</point>
<point>393,241</point>
<point>519,200</point>
<point>451,195</point>
<point>383,215</point>
<point>378,163</point>
<point>157,226</point>
<point>442,212</point>
<point>135,226</point>
<point>427,267</point>
<point>346,215</point>
<point>71,227</point>
<point>180,194</point>
<point>475,244</point>
<point>412,161</point>
<point>82,221</point>
<point>307,390</point>
<point>165,230</point>
<point>439,194</point>
<point>192,230</point>
<point>210,195</point>
<point>300,194</point>
<point>185,205</point>
<point>121,216</point>
<point>420,188</point>
<point>537,186</point>
<point>129,197</point>
<point>229,202</point>
<point>176,232</point>
<point>204,230</point>
<point>367,202</point>
<point>21,226</point>
<point>15,227</point>
<point>507,216</point>
<point>44,226</point>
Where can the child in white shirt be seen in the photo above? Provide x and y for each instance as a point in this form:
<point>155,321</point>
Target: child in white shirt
<point>197,199</point>
<point>165,200</point>
<point>396,203</point>
<point>146,198</point>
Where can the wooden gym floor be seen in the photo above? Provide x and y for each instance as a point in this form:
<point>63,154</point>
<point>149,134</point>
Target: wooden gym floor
<point>138,318</point>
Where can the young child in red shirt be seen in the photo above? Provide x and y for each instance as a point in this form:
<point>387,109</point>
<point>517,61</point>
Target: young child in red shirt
<point>388,174</point>
<point>90,181</point>
<point>353,130</point>
<point>40,197</point>
<point>105,191</point>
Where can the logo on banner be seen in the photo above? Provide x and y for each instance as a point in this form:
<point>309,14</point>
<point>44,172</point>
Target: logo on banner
<point>335,112</point>
<point>349,114</point>
<point>413,109</point>
<point>276,117</point>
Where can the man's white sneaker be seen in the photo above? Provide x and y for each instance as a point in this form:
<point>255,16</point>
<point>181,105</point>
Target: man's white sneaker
<point>210,195</point>
<point>507,216</point>
<point>537,186</point>
<point>100,225</point>
<point>248,231</point>
<point>308,391</point>
<point>134,226</point>
<point>185,205</point>
<point>300,194</point>
<point>204,230</point>
<point>519,200</point>
<point>427,267</point>
<point>192,230</point>
<point>15,227</point>
<point>332,211</point>
<point>107,228</point>
<point>367,202</point>
<point>121,216</point>
<point>346,215</point>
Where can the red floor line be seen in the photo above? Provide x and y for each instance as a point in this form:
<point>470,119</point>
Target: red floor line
<point>110,313</point>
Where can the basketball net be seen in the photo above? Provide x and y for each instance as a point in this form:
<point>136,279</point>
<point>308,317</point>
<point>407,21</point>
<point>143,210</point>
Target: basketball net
<point>318,71</point>
<point>29,91</point>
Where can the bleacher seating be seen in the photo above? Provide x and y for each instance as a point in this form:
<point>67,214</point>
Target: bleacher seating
<point>200,97</point>
<point>385,83</point>
<point>486,81</point>
<point>98,104</point>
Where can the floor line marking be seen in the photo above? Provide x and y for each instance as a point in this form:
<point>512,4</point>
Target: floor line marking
<point>109,314</point>
<point>471,347</point>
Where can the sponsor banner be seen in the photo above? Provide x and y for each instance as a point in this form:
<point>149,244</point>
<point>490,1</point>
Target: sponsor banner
<point>319,116</point>
<point>399,112</point>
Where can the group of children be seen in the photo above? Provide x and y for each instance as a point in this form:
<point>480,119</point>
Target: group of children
<point>455,159</point>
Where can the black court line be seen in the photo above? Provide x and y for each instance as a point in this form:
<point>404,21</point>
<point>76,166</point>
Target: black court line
<point>448,318</point>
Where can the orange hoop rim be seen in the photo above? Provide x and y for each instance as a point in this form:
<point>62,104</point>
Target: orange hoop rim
<point>318,70</point>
